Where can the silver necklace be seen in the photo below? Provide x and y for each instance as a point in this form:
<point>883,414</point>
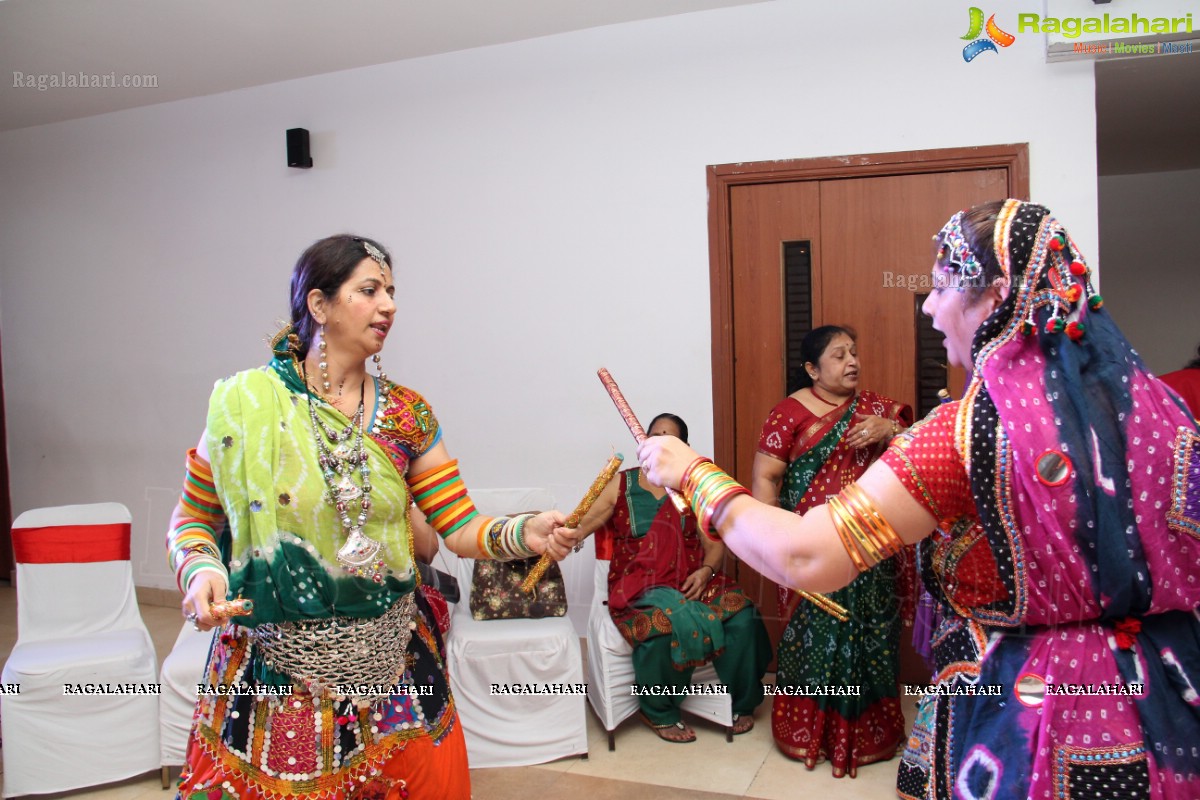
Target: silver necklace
<point>339,454</point>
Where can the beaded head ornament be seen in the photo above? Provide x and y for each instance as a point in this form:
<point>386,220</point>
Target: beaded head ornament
<point>954,252</point>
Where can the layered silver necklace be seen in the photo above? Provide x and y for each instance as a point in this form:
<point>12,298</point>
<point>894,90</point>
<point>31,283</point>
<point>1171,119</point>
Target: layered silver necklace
<point>339,455</point>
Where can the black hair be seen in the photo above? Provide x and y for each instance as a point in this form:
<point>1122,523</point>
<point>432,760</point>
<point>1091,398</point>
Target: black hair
<point>814,344</point>
<point>679,423</point>
<point>1195,362</point>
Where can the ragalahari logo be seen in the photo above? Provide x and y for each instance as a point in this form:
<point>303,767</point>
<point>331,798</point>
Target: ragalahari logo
<point>995,36</point>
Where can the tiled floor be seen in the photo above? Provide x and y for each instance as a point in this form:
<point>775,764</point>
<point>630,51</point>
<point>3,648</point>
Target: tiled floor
<point>641,766</point>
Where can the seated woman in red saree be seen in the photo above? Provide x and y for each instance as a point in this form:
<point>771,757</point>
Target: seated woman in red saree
<point>669,599</point>
<point>816,442</point>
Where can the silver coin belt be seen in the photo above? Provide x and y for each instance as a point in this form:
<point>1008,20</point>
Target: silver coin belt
<point>324,654</point>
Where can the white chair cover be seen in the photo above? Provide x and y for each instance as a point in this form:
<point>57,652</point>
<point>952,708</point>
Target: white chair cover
<point>611,678</point>
<point>513,730</point>
<point>182,669</point>
<point>77,623</point>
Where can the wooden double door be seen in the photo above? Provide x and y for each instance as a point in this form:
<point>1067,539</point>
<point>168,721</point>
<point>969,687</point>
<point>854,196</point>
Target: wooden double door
<point>863,225</point>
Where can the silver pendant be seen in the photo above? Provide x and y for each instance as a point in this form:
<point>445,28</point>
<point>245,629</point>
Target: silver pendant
<point>359,551</point>
<point>347,490</point>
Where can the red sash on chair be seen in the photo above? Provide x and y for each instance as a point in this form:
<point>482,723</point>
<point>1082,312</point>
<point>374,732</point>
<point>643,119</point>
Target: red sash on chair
<point>71,544</point>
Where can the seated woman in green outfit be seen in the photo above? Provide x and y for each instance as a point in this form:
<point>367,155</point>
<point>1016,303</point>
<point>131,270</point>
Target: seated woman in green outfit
<point>671,602</point>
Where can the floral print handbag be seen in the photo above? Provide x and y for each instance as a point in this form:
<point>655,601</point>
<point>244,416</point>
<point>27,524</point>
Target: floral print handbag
<point>496,591</point>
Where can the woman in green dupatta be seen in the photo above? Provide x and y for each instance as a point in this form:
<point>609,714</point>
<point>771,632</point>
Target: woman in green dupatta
<point>671,602</point>
<point>814,443</point>
<point>297,499</point>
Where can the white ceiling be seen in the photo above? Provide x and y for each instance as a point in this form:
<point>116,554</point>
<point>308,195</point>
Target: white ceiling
<point>199,47</point>
<point>1148,118</point>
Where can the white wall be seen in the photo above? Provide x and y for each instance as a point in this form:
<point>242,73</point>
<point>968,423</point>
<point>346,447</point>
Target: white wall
<point>545,201</point>
<point>1151,278</point>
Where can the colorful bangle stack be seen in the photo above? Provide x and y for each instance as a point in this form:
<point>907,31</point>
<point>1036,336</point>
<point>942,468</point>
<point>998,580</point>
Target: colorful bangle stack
<point>192,543</point>
<point>708,489</point>
<point>503,538</point>
<point>866,535</point>
<point>442,497</point>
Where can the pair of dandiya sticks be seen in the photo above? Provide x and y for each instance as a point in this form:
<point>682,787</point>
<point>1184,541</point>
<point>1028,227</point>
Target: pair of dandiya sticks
<point>610,469</point>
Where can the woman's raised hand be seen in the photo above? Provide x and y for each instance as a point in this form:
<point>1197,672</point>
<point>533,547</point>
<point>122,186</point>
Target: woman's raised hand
<point>870,431</point>
<point>664,459</point>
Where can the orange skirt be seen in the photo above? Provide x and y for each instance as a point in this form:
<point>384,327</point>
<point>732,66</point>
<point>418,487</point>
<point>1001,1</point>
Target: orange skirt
<point>267,744</point>
<point>419,769</point>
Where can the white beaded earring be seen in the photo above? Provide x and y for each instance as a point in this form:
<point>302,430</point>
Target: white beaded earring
<point>324,365</point>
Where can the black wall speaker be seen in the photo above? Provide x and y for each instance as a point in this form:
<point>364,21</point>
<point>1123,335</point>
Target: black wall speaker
<point>297,148</point>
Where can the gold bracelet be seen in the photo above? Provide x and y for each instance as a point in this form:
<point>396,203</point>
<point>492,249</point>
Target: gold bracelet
<point>858,529</point>
<point>859,532</point>
<point>837,513</point>
<point>885,535</point>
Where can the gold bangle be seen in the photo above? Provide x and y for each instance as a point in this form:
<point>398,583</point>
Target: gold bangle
<point>867,525</point>
<point>857,530</point>
<point>873,554</point>
<point>889,541</point>
<point>837,514</point>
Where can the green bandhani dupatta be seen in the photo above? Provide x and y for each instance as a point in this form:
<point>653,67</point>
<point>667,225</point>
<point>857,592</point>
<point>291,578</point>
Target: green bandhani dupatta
<point>284,534</point>
<point>804,468</point>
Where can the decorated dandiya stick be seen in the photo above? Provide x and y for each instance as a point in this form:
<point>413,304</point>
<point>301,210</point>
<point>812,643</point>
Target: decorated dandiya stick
<point>639,433</point>
<point>226,609</point>
<point>593,493</point>
<point>635,427</point>
<point>828,606</point>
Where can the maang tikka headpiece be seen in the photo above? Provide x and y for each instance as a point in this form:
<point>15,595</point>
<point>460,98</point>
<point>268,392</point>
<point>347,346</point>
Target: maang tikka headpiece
<point>374,253</point>
<point>955,252</point>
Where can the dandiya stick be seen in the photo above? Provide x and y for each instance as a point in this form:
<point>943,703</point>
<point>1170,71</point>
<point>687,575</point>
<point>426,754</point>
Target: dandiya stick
<point>825,604</point>
<point>593,493</point>
<point>639,433</point>
<point>635,427</point>
<point>226,609</point>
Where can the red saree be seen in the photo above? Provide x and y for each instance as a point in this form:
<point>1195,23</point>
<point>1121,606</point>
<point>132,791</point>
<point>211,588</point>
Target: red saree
<point>816,650</point>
